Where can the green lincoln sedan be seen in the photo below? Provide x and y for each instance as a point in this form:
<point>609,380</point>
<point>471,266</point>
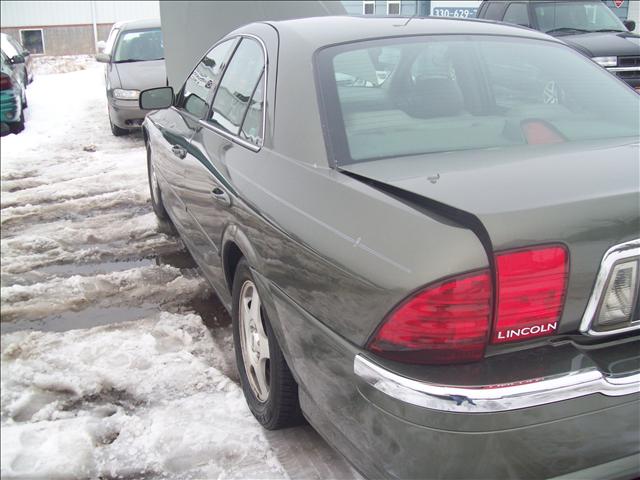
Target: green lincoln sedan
<point>427,232</point>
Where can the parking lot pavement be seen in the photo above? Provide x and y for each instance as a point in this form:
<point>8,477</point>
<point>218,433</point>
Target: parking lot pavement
<point>117,359</point>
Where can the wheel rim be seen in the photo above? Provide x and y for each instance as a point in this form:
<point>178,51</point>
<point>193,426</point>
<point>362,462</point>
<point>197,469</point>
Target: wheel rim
<point>254,342</point>
<point>155,191</point>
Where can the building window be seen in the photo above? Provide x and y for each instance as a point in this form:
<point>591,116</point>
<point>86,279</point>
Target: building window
<point>393,7</point>
<point>32,40</point>
<point>369,7</point>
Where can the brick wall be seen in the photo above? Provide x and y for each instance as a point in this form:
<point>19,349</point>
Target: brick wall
<point>65,39</point>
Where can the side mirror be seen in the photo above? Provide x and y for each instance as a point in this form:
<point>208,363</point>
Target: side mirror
<point>25,53</point>
<point>103,57</point>
<point>16,59</point>
<point>100,45</point>
<point>630,24</point>
<point>156,98</point>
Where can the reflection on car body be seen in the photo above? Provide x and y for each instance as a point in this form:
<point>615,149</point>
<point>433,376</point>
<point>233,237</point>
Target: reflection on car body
<point>408,260</point>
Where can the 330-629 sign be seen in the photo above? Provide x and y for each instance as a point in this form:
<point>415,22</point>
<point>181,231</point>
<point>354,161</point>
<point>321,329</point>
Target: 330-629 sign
<point>454,12</point>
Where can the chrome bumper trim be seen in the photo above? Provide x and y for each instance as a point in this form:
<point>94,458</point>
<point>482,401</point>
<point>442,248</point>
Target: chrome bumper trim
<point>493,398</point>
<point>623,69</point>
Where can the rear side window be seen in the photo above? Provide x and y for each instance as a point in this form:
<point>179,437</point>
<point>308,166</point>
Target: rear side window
<point>237,87</point>
<point>518,14</point>
<point>452,93</point>
<point>194,96</point>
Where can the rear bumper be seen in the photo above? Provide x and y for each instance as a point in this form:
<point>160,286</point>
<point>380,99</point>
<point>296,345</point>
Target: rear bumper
<point>368,418</point>
<point>496,397</point>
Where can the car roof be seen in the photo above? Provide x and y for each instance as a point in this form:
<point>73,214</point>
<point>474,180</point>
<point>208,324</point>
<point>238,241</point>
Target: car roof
<point>138,24</point>
<point>320,31</point>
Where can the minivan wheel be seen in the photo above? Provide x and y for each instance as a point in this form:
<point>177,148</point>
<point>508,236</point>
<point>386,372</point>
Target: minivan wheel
<point>268,385</point>
<point>154,189</point>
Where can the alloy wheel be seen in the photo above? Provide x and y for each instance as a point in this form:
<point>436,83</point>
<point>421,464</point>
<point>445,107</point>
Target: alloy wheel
<point>254,342</point>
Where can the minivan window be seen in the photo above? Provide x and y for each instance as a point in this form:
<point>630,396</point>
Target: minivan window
<point>237,85</point>
<point>111,40</point>
<point>139,46</point>
<point>450,93</point>
<point>518,14</point>
<point>195,95</point>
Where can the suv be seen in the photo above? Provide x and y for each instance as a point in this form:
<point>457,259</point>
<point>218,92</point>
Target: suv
<point>589,26</point>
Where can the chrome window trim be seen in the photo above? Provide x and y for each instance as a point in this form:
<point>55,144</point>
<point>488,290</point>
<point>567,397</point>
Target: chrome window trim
<point>237,138</point>
<point>611,257</point>
<point>493,398</point>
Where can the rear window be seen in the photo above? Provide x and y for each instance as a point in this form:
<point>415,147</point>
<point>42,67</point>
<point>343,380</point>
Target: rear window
<point>420,95</point>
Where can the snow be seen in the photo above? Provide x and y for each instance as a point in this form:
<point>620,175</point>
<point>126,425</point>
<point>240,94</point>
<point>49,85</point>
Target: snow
<point>128,400</point>
<point>107,368</point>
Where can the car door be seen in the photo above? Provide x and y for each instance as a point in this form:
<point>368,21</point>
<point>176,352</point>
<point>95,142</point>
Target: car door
<point>235,121</point>
<point>178,126</point>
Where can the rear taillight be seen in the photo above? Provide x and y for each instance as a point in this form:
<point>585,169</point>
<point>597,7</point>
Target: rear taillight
<point>5,82</point>
<point>449,321</point>
<point>531,287</point>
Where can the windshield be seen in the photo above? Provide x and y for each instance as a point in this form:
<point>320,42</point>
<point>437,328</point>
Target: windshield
<point>139,45</point>
<point>448,93</point>
<point>582,17</point>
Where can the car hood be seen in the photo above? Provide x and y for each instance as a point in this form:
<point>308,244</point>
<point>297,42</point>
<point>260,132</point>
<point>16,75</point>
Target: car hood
<point>526,195</point>
<point>602,44</point>
<point>141,75</point>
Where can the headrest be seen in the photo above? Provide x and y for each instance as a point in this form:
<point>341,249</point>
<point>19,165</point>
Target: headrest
<point>433,97</point>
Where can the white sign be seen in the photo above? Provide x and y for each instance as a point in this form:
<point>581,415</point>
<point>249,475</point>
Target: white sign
<point>455,8</point>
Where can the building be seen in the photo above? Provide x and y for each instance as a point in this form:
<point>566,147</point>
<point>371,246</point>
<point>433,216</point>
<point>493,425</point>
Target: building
<point>68,27</point>
<point>75,27</point>
<point>627,9</point>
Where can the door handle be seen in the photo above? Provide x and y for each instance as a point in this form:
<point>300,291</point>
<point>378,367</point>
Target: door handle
<point>178,151</point>
<point>221,196</point>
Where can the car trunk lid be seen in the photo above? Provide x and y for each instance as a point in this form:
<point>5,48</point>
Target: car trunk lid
<point>585,196</point>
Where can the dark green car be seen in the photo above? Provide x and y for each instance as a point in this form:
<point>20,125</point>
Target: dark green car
<point>427,232</point>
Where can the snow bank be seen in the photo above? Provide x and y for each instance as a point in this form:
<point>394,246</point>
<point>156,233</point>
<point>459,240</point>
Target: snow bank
<point>133,399</point>
<point>47,64</point>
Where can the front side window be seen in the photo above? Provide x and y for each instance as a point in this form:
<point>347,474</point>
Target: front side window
<point>194,96</point>
<point>32,40</point>
<point>139,46</point>
<point>575,16</point>
<point>108,48</point>
<point>518,14</point>
<point>452,93</point>
<point>237,86</point>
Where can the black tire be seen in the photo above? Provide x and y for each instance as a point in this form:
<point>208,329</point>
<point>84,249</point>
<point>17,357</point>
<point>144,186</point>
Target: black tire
<point>156,199</point>
<point>18,126</point>
<point>117,131</point>
<point>281,409</point>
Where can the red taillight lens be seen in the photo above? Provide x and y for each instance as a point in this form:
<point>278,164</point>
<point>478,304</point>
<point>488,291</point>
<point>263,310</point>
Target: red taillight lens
<point>5,82</point>
<point>531,288</point>
<point>447,322</point>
